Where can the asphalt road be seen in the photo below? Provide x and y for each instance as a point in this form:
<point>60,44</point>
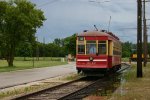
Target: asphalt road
<point>8,79</point>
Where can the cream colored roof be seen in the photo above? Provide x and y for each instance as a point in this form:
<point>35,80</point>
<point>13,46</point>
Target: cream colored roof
<point>93,33</point>
<point>98,33</point>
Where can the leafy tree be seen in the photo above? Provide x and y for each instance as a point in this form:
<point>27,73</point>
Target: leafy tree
<point>19,21</point>
<point>57,41</point>
<point>24,50</point>
<point>126,49</point>
<point>53,50</point>
<point>70,44</point>
<point>66,45</point>
<point>3,7</point>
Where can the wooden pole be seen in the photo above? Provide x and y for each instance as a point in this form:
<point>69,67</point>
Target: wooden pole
<point>139,39</point>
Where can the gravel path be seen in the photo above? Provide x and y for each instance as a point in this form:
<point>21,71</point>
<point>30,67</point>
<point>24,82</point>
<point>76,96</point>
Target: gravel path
<point>8,79</point>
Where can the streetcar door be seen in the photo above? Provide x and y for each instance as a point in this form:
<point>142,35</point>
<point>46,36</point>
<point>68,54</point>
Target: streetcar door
<point>110,48</point>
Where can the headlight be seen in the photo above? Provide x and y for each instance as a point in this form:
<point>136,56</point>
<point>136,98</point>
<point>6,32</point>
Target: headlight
<point>91,58</point>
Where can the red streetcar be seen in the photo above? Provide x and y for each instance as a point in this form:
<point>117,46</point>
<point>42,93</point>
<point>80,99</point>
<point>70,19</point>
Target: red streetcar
<point>97,51</point>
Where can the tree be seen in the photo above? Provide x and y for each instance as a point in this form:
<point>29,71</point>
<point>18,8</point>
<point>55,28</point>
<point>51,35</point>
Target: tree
<point>70,44</point>
<point>57,41</point>
<point>3,6</point>
<point>20,20</point>
<point>24,50</point>
<point>126,49</point>
<point>67,45</point>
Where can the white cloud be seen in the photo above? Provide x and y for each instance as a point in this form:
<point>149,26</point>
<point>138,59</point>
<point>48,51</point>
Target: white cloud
<point>65,17</point>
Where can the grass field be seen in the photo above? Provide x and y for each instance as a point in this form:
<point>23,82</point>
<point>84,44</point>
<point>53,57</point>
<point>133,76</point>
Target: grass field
<point>40,58</point>
<point>125,59</point>
<point>19,64</point>
<point>134,88</point>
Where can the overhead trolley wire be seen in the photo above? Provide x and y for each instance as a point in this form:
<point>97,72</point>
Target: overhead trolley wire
<point>47,3</point>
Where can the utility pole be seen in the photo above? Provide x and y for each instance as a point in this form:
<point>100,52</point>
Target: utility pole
<point>43,48</point>
<point>139,39</point>
<point>37,50</point>
<point>144,35</point>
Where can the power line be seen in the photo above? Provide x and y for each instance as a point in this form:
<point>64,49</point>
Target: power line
<point>47,3</point>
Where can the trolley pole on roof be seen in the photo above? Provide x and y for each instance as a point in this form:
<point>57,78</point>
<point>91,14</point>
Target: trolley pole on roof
<point>96,28</point>
<point>109,23</point>
<point>139,39</point>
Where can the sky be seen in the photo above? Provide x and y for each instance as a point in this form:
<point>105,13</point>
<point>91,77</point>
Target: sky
<point>66,17</point>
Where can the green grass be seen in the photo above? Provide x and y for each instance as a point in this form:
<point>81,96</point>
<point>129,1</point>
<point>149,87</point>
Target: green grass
<point>20,65</point>
<point>125,59</point>
<point>22,90</point>
<point>40,58</point>
<point>134,88</point>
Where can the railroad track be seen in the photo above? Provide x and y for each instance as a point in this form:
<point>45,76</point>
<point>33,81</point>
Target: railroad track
<point>74,90</point>
<point>124,68</point>
<point>57,91</point>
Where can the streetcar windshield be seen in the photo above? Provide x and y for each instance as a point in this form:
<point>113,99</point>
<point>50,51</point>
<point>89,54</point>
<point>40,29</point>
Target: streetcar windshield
<point>91,47</point>
<point>81,49</point>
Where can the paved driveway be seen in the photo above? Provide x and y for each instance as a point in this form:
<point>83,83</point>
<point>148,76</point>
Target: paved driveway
<point>8,79</point>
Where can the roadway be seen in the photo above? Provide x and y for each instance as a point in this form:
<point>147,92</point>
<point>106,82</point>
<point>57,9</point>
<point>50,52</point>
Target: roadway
<point>8,79</point>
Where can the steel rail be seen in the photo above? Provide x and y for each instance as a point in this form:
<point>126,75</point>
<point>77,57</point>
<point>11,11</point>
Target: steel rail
<point>21,97</point>
<point>76,95</point>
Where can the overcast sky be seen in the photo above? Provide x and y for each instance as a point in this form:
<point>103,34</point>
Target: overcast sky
<point>66,17</point>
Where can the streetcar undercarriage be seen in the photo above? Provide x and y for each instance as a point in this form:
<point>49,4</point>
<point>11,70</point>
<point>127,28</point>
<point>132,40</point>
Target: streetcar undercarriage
<point>96,71</point>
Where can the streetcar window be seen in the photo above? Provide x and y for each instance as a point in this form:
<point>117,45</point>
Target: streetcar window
<point>91,47</point>
<point>81,38</point>
<point>81,49</point>
<point>102,47</point>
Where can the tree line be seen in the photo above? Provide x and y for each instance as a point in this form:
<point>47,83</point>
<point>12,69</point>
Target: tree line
<point>62,47</point>
<point>58,48</point>
<point>128,48</point>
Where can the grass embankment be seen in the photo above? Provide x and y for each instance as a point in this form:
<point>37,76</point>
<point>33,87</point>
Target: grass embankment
<point>134,88</point>
<point>19,64</point>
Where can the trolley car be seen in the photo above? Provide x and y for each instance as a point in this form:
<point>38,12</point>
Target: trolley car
<point>97,51</point>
